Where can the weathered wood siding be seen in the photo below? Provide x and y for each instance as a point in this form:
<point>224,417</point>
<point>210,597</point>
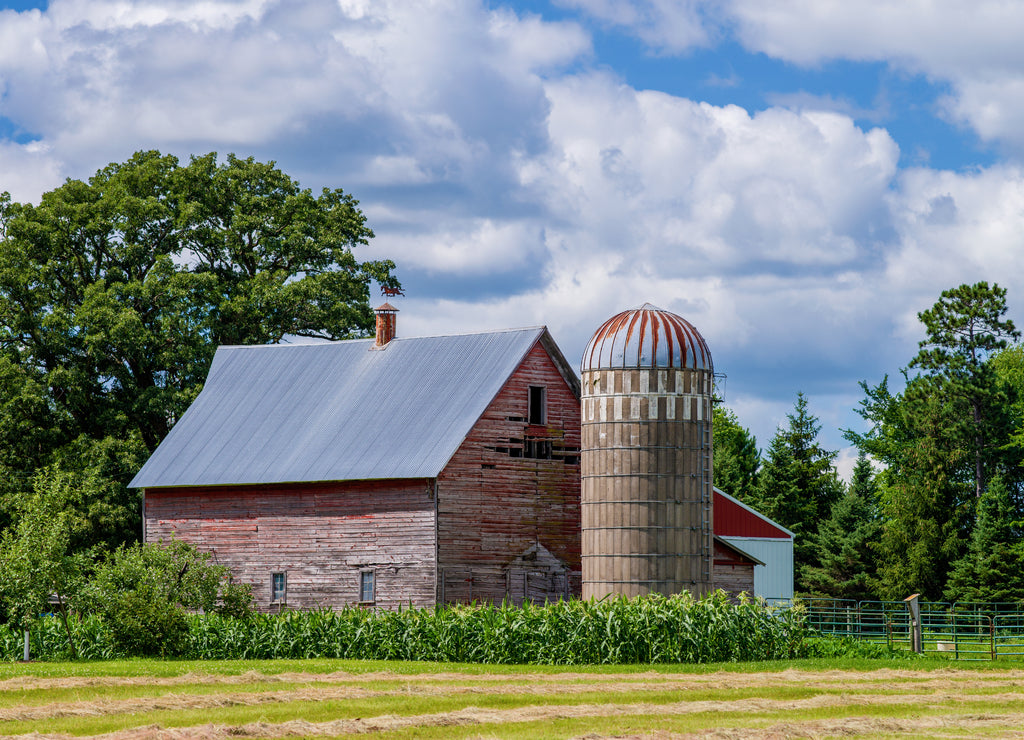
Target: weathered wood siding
<point>321,535</point>
<point>495,502</point>
<point>732,572</point>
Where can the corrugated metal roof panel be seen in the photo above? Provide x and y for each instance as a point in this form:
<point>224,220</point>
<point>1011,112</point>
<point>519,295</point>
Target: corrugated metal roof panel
<point>335,411</point>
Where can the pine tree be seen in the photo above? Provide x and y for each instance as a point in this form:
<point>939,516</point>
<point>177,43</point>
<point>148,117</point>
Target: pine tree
<point>926,492</point>
<point>736,457</point>
<point>798,485</point>
<point>848,541</point>
<point>993,568</point>
<point>943,438</point>
<point>965,327</point>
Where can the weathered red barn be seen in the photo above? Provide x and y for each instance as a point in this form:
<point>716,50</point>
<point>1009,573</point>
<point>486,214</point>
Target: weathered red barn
<point>384,472</point>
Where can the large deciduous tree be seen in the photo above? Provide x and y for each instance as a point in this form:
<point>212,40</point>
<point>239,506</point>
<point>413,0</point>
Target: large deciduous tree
<point>115,292</point>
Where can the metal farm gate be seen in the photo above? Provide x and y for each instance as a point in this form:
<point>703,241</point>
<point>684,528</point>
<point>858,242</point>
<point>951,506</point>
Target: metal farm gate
<point>960,630</point>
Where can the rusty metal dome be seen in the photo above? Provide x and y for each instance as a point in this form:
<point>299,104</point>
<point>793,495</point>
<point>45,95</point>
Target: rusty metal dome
<point>646,337</point>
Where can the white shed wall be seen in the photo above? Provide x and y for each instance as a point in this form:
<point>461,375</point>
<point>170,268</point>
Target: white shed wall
<point>774,579</point>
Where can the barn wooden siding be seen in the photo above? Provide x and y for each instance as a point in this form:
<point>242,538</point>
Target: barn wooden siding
<point>495,502</point>
<point>732,572</point>
<point>321,535</point>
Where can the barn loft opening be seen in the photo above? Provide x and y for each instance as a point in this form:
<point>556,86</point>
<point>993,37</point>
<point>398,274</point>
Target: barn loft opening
<point>537,413</point>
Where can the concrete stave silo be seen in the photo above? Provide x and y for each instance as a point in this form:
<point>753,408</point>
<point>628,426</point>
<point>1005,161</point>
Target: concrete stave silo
<point>646,468</point>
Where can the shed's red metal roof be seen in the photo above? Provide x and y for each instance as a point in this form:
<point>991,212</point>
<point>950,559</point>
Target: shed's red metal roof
<point>734,519</point>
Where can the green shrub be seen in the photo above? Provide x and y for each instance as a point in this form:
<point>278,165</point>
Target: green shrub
<point>236,600</point>
<point>143,623</point>
<point>844,646</point>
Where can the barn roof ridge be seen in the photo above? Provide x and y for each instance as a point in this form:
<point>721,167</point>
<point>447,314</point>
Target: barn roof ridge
<point>323,341</point>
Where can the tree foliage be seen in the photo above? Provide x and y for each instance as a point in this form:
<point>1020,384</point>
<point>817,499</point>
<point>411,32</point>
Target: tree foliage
<point>943,438</point>
<point>142,592</point>
<point>993,567</point>
<point>115,292</point>
<point>37,561</point>
<point>964,328</point>
<point>848,541</point>
<point>798,485</point>
<point>736,457</point>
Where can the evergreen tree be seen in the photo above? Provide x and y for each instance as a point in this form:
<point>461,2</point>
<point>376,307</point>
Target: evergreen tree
<point>965,327</point>
<point>943,438</point>
<point>993,568</point>
<point>736,457</point>
<point>926,494</point>
<point>798,485</point>
<point>848,541</point>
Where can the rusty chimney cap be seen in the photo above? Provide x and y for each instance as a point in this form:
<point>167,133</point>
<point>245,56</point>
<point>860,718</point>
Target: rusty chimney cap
<point>386,325</point>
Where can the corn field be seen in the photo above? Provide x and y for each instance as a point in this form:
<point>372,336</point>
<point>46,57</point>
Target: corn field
<point>653,629</point>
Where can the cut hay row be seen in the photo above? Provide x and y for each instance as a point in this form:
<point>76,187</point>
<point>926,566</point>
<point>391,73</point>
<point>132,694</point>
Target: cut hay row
<point>582,703</point>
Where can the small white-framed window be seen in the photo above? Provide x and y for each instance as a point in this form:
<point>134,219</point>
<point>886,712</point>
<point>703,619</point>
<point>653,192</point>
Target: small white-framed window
<point>367,587</point>
<point>278,587</point>
<point>537,412</point>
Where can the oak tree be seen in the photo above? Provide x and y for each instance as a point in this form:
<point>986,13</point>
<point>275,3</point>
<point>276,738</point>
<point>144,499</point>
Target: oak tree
<point>115,292</point>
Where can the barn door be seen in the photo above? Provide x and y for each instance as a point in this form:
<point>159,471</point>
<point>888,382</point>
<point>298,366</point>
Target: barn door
<point>456,586</point>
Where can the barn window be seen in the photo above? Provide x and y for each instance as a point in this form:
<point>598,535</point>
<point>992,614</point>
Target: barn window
<point>278,587</point>
<point>367,587</point>
<point>537,411</point>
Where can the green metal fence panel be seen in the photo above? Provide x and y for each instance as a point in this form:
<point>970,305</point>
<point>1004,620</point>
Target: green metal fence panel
<point>960,631</point>
<point>1008,636</point>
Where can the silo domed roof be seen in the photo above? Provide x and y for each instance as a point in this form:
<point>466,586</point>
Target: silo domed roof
<point>646,337</point>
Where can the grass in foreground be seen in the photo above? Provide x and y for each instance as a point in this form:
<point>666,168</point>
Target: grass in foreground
<point>336,698</point>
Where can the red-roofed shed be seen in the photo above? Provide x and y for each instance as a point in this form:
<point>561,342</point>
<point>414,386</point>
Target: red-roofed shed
<point>765,541</point>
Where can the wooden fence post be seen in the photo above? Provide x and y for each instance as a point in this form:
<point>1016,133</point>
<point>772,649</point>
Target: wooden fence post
<point>914,606</point>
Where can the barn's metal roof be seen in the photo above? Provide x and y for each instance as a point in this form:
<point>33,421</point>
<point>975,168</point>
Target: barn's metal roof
<point>646,337</point>
<point>338,411</point>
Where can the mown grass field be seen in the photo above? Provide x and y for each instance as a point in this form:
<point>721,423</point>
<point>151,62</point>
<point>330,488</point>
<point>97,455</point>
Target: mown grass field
<point>334,698</point>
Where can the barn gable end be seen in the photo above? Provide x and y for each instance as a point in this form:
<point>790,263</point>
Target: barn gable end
<point>512,485</point>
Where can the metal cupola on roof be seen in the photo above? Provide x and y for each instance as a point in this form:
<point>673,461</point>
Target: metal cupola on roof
<point>647,337</point>
<point>645,458</point>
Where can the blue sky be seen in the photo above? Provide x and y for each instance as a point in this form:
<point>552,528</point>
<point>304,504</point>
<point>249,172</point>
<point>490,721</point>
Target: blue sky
<point>797,178</point>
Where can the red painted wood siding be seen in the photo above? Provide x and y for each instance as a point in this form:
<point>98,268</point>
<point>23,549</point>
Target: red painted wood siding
<point>322,535</point>
<point>492,507</point>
